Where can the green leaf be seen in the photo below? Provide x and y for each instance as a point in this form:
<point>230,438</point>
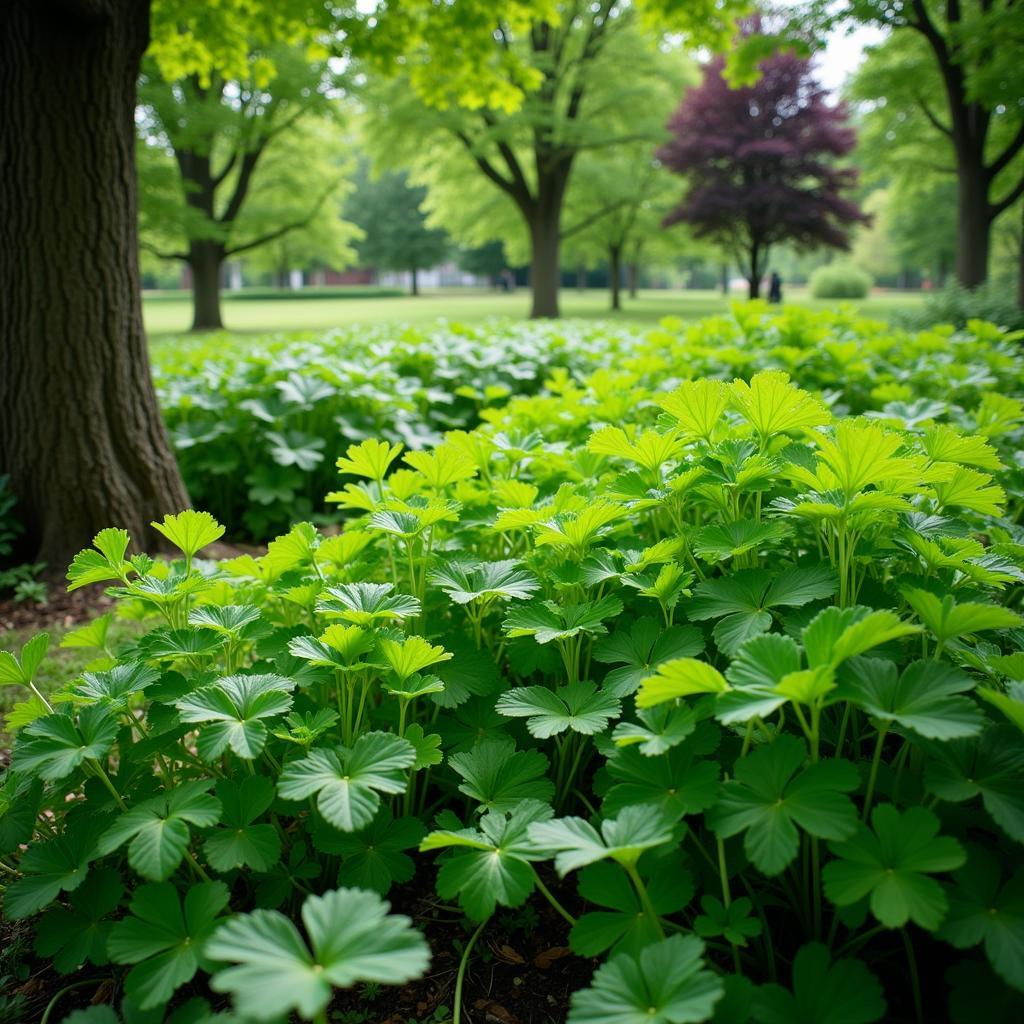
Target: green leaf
<point>53,746</point>
<point>348,782</point>
<point>78,933</point>
<point>754,675</point>
<point>1010,703</point>
<point>990,766</point>
<point>891,863</point>
<point>14,671</point>
<point>369,458</point>
<point>411,655</point>
<point>426,745</point>
<point>641,650</point>
<point>727,540</point>
<point>697,406</point>
<point>659,729</point>
<point>666,984</point>
<point>366,604</point>
<point>181,643</point>
<point>836,634</point>
<point>465,582</point>
<point>579,707</point>
<point>772,404</point>
<point>498,777</point>
<point>984,909</point>
<point>824,992</point>
<point>105,563</point>
<point>158,828</point>
<point>490,865</point>
<point>623,926</point>
<point>113,687</point>
<point>374,857</point>
<point>948,620</point>
<point>925,698</point>
<point>237,842</point>
<point>164,938</point>
<point>232,710</point>
<point>352,939</point>
<point>230,619</point>
<point>546,621</point>
<point>682,677</point>
<point>771,798</point>
<point>54,866</point>
<point>679,782</point>
<point>190,531</point>
<point>576,843</point>
<point>734,923</point>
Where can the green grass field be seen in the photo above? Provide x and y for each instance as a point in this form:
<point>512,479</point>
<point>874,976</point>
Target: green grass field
<point>172,314</point>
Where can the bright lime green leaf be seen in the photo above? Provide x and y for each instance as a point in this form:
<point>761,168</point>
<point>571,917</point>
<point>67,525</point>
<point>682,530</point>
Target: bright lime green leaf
<point>369,458</point>
<point>948,619</point>
<point>465,582</point>
<point>697,406</point>
<point>366,604</point>
<point>410,655</point>
<point>92,635</point>
<point>682,677</point>
<point>13,670</point>
<point>967,488</point>
<point>190,531</point>
<point>105,563</point>
<point>772,404</point>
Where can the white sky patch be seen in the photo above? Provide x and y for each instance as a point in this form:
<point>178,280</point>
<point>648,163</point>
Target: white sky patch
<point>843,53</point>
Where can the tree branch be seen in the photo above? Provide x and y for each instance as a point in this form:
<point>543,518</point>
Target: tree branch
<point>161,253</point>
<point>1007,201</point>
<point>272,236</point>
<point>1004,158</point>
<point>590,219</point>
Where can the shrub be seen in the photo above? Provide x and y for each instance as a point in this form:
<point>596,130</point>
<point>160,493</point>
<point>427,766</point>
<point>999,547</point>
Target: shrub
<point>727,677</point>
<point>959,306</point>
<point>839,281</point>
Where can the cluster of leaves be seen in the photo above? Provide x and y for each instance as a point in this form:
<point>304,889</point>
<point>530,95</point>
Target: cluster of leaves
<point>744,670</point>
<point>257,424</point>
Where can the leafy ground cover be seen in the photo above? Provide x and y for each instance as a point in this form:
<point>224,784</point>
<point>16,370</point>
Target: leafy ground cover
<point>258,423</point>
<point>706,671</point>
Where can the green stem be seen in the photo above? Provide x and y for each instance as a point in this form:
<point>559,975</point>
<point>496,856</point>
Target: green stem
<point>97,769</point>
<point>870,792</point>
<point>723,874</point>
<point>45,1019</point>
<point>549,896</point>
<point>461,976</point>
<point>645,900</point>
<point>915,981</point>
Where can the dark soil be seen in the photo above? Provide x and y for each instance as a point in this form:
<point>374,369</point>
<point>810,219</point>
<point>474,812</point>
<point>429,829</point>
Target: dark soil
<point>520,971</point>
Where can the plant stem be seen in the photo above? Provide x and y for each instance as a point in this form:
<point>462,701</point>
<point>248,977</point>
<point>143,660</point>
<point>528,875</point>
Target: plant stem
<point>45,1019</point>
<point>645,900</point>
<point>549,896</point>
<point>460,977</point>
<point>723,874</point>
<point>870,792</point>
<point>915,981</point>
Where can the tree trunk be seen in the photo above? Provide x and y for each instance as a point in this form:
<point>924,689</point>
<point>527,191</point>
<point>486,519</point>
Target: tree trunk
<point>1020,263</point>
<point>615,274</point>
<point>80,430</point>
<point>415,282</point>
<point>632,278</point>
<point>725,278</point>
<point>206,260</point>
<point>973,227</point>
<point>941,271</point>
<point>544,265</point>
<point>754,286</point>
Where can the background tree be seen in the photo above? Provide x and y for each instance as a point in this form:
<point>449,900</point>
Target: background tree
<point>487,260</point>
<point>218,132</point>
<point>568,57</point>
<point>760,163</point>
<point>389,211</point>
<point>968,53</point>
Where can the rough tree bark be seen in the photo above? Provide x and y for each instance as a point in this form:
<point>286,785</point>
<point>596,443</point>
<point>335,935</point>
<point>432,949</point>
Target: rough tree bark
<point>80,431</point>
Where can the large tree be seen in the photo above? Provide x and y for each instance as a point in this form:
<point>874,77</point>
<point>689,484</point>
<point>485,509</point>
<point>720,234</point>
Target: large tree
<point>219,130</point>
<point>389,211</point>
<point>761,163</point>
<point>570,58</point>
<point>80,431</point>
<point>971,50</point>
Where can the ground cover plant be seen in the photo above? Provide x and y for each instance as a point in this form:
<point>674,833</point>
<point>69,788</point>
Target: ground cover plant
<point>716,653</point>
<point>258,423</point>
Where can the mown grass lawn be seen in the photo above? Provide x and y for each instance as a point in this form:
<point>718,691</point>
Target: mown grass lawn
<point>172,314</point>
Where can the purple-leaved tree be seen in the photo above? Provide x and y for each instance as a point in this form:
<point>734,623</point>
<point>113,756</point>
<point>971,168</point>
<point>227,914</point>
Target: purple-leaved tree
<point>760,163</point>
